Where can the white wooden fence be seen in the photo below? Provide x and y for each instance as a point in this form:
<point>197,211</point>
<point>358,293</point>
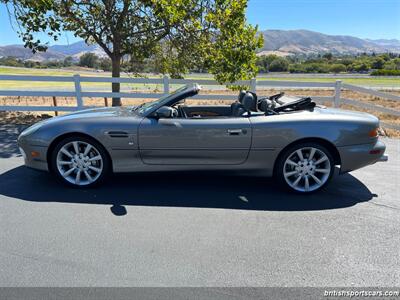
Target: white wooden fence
<point>336,98</point>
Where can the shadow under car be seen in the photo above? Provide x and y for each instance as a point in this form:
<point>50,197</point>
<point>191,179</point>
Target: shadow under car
<point>201,190</point>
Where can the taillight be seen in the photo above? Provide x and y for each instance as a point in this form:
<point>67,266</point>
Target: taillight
<point>373,133</point>
<point>375,151</point>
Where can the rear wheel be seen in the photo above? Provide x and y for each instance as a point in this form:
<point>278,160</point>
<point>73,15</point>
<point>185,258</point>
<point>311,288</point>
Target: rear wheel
<point>305,167</point>
<point>80,162</point>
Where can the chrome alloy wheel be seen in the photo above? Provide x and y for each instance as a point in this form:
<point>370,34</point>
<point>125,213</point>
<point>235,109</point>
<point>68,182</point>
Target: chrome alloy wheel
<point>79,162</point>
<point>306,169</point>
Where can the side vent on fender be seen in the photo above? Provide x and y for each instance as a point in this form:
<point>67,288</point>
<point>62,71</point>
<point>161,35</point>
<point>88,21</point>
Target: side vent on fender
<point>117,134</point>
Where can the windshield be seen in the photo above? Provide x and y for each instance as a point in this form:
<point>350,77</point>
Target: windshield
<point>146,107</point>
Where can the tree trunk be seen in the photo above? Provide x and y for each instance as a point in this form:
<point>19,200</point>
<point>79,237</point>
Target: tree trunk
<point>116,71</point>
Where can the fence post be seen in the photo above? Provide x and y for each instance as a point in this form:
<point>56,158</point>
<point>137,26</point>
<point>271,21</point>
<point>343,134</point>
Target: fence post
<point>253,85</point>
<point>338,88</point>
<point>166,84</point>
<point>55,105</point>
<point>78,91</point>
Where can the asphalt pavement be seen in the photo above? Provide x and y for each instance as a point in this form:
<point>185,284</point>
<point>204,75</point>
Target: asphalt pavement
<point>198,229</point>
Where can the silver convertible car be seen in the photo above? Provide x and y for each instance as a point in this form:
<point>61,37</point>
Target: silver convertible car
<point>292,139</point>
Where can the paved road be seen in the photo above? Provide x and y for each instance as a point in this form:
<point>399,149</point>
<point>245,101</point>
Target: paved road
<point>199,230</point>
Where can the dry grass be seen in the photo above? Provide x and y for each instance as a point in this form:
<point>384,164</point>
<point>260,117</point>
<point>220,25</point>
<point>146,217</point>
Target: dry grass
<point>28,118</point>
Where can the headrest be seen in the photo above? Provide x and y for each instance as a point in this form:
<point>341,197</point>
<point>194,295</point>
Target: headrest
<point>249,102</point>
<point>241,95</point>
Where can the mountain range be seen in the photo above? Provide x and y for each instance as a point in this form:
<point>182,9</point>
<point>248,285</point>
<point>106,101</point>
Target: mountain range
<point>56,52</point>
<point>288,42</point>
<point>280,42</point>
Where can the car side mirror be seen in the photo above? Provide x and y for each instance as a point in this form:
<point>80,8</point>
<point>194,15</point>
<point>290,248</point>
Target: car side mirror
<point>163,112</point>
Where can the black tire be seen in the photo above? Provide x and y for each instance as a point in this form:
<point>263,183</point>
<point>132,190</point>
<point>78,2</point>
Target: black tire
<point>105,161</point>
<point>281,167</point>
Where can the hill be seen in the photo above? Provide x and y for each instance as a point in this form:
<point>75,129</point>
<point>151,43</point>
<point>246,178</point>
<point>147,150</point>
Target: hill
<point>280,42</point>
<point>310,42</point>
<point>56,52</point>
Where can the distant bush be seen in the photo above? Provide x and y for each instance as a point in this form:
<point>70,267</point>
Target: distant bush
<point>337,68</point>
<point>264,61</point>
<point>11,61</point>
<point>328,56</point>
<point>360,67</point>
<point>279,64</point>
<point>105,64</point>
<point>386,73</point>
<point>378,63</point>
<point>68,61</point>
<point>297,68</point>
<point>89,60</point>
<point>317,68</point>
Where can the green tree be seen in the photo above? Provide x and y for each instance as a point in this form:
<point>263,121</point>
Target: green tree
<point>68,61</point>
<point>328,56</point>
<point>347,61</point>
<point>264,61</point>
<point>182,33</point>
<point>390,65</point>
<point>31,64</point>
<point>89,60</point>
<point>279,64</point>
<point>297,68</point>
<point>316,68</point>
<point>10,61</point>
<point>378,63</point>
<point>105,64</point>
<point>337,68</point>
<point>360,66</point>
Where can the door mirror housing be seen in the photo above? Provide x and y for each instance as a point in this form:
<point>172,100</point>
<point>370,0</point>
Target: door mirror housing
<point>163,112</point>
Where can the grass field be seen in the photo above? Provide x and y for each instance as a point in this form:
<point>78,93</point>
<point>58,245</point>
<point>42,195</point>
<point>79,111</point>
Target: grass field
<point>380,82</point>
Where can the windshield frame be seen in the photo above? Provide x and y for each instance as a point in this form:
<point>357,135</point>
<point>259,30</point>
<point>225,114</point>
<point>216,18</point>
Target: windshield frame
<point>147,109</point>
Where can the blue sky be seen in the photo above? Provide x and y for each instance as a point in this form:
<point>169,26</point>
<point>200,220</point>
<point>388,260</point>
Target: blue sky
<point>362,18</point>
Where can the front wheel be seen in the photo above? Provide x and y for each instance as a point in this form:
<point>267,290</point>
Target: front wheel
<point>305,167</point>
<point>79,162</point>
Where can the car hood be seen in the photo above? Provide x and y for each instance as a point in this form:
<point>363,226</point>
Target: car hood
<point>102,113</point>
<point>98,113</point>
<point>90,121</point>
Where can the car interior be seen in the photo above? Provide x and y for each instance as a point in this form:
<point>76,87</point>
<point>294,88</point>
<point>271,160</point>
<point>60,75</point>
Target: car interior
<point>247,104</point>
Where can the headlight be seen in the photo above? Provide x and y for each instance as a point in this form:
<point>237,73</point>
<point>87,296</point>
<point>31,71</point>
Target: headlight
<point>31,129</point>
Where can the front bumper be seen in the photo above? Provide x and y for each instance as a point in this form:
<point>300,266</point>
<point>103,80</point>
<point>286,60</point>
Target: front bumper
<point>34,156</point>
<point>357,156</point>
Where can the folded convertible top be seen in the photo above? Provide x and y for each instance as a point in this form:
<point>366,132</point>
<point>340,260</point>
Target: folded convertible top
<point>300,104</point>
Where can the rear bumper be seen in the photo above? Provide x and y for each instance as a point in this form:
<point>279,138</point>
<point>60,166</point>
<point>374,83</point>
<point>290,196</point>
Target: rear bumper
<point>383,158</point>
<point>358,156</point>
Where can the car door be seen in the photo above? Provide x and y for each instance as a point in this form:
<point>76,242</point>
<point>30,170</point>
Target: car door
<point>196,141</point>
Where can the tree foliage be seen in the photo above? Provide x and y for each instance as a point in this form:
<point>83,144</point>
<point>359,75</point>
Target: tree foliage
<point>179,33</point>
<point>279,65</point>
<point>89,60</point>
<point>337,68</point>
<point>329,63</point>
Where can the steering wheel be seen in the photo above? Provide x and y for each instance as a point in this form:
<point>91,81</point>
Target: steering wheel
<point>175,112</point>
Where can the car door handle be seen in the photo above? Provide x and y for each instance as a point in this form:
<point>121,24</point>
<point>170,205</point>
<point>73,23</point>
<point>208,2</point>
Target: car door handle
<point>236,131</point>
